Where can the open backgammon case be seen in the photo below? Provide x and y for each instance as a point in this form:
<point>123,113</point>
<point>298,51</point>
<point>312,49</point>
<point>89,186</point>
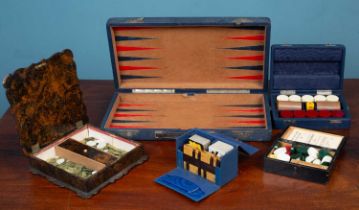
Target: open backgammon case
<point>172,74</point>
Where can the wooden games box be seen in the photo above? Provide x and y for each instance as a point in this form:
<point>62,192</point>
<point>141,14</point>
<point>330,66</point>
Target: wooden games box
<point>51,120</point>
<point>307,154</point>
<point>173,74</point>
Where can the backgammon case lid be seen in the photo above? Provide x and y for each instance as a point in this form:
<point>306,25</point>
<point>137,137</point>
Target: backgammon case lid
<point>194,186</point>
<point>46,100</point>
<point>189,54</point>
<point>307,67</point>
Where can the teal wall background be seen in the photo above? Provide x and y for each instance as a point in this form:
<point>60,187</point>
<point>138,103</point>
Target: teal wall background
<point>32,30</point>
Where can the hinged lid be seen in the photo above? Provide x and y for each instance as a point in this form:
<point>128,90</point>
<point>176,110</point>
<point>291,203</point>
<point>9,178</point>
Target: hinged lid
<point>46,100</point>
<point>307,67</point>
<point>189,53</point>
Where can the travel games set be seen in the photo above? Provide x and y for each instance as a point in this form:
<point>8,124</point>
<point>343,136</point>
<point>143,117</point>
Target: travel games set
<point>175,74</point>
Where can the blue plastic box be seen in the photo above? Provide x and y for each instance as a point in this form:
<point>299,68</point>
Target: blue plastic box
<point>195,187</point>
<point>167,69</point>
<point>308,69</point>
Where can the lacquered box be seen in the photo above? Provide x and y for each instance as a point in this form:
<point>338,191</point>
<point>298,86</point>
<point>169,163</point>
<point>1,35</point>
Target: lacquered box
<point>54,133</point>
<point>308,154</point>
<point>308,70</point>
<point>174,74</point>
<point>197,178</point>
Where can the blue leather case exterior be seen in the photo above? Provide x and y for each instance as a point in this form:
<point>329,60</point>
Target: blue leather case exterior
<point>307,69</point>
<point>196,187</point>
<point>242,133</point>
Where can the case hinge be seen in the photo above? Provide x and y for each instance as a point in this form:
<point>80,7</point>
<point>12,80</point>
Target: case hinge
<point>227,91</point>
<point>166,135</point>
<point>287,92</point>
<point>136,20</point>
<point>153,90</point>
<point>240,21</point>
<point>330,45</point>
<point>324,92</point>
<point>35,148</point>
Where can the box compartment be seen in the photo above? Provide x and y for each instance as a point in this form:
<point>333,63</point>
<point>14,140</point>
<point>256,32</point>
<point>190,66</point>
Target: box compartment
<point>107,169</point>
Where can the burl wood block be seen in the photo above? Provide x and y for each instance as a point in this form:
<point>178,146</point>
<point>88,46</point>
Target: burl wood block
<point>46,100</point>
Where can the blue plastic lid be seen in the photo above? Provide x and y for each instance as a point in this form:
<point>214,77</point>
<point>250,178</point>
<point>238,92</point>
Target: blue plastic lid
<point>192,186</point>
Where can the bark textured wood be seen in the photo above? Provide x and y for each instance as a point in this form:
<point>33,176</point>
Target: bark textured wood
<point>46,100</point>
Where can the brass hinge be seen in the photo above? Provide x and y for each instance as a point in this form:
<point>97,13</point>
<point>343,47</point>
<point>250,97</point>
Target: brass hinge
<point>153,90</point>
<point>240,21</point>
<point>324,92</point>
<point>227,91</point>
<point>136,20</point>
<point>287,92</point>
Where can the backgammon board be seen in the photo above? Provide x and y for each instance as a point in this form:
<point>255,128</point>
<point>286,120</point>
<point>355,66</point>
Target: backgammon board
<point>181,73</point>
<point>182,111</point>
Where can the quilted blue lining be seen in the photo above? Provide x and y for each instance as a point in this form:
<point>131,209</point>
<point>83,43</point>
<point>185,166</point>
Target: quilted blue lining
<point>307,67</point>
